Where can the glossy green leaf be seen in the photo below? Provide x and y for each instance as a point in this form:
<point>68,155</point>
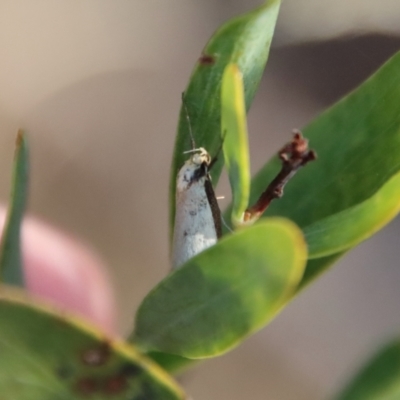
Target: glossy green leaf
<point>347,228</point>
<point>358,146</point>
<point>244,41</point>
<point>379,379</point>
<point>11,268</point>
<point>47,355</point>
<point>225,293</point>
<point>235,145</point>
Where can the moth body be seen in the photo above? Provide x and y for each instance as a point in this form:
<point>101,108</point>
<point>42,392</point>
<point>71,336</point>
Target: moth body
<point>197,216</point>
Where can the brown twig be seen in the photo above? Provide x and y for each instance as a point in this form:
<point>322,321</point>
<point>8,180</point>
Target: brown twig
<point>294,155</point>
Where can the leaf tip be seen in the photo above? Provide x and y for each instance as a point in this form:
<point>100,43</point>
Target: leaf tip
<point>21,138</point>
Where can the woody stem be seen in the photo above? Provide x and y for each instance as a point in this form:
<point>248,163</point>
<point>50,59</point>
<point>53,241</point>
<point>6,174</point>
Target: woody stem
<point>294,155</point>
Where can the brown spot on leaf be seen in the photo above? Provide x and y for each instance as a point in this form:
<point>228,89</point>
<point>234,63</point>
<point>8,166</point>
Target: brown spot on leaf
<point>87,386</point>
<point>116,384</point>
<point>96,356</point>
<point>207,59</point>
<point>20,138</point>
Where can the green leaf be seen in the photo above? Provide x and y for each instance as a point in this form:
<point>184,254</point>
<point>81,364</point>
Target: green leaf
<point>172,363</point>
<point>47,355</point>
<point>347,228</point>
<point>11,268</point>
<point>224,294</point>
<point>379,379</point>
<point>235,145</point>
<point>244,41</point>
<point>358,146</point>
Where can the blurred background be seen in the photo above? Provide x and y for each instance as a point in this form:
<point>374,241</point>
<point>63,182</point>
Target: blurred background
<point>97,84</point>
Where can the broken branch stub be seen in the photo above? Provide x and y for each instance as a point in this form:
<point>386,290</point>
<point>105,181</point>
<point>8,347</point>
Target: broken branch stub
<point>293,155</point>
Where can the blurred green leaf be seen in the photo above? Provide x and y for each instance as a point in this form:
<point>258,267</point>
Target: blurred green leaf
<point>358,146</point>
<point>235,145</point>
<point>224,294</point>
<point>11,268</point>
<point>172,363</point>
<point>47,355</point>
<point>347,228</point>
<point>379,379</point>
<point>244,41</point>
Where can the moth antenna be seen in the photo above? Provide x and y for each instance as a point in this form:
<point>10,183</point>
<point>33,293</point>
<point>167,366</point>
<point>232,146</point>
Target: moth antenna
<point>194,150</point>
<point>226,225</point>
<point>215,158</point>
<point>188,121</point>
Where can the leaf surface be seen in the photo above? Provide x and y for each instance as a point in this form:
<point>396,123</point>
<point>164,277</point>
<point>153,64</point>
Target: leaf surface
<point>349,227</point>
<point>235,140</point>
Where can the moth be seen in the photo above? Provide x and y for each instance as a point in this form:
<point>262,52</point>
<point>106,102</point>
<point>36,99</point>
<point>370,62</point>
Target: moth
<point>198,222</point>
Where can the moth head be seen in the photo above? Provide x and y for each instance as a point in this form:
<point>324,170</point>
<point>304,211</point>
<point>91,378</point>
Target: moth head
<point>200,157</point>
<point>194,169</point>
